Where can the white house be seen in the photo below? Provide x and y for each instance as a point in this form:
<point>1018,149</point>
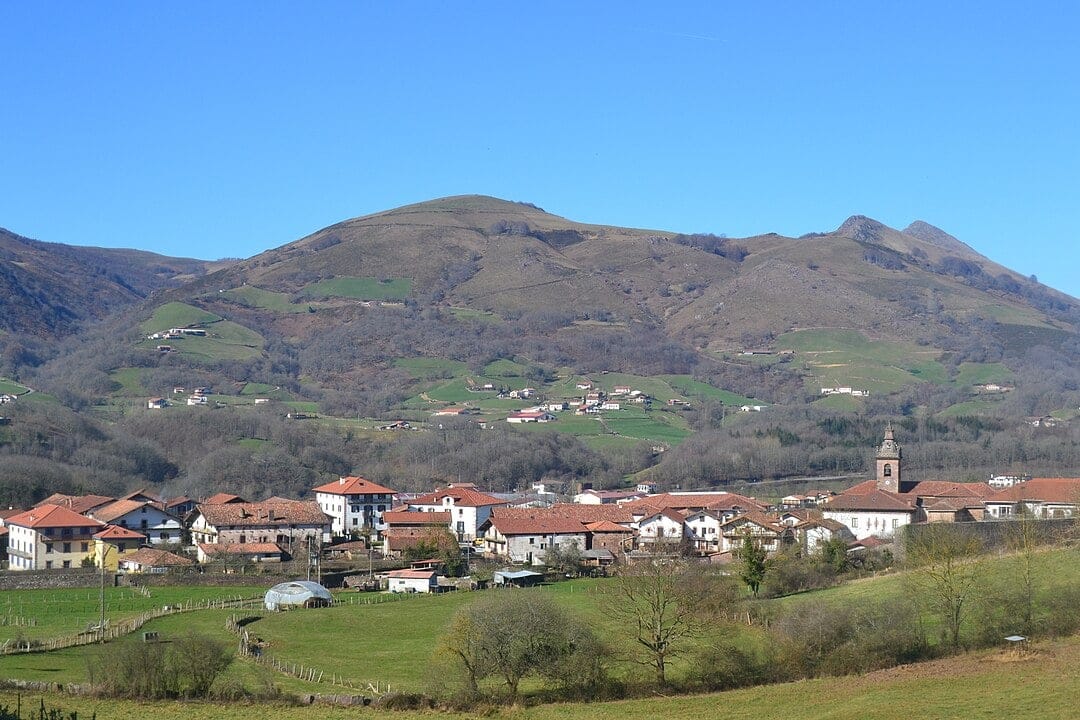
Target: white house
<point>468,507</point>
<point>765,532</point>
<point>871,513</point>
<point>354,504</point>
<point>608,405</point>
<point>703,530</point>
<point>159,527</point>
<point>665,525</point>
<point>1043,498</point>
<point>530,417</point>
<point>412,581</point>
<point>49,536</point>
<point>156,403</point>
<point>197,400</point>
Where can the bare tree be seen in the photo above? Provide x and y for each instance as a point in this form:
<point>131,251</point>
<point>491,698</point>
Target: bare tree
<point>659,599</point>
<point>946,573</point>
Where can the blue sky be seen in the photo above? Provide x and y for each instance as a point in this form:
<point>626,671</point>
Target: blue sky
<point>224,129</point>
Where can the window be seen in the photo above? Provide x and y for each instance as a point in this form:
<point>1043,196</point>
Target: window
<point>48,547</point>
<point>854,522</point>
<point>895,523</point>
<point>84,547</point>
<point>887,470</point>
<point>67,563</point>
<point>67,547</point>
<point>48,564</point>
<point>355,522</point>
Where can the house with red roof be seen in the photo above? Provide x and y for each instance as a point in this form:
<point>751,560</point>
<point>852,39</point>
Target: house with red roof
<point>1042,497</point>
<point>765,532</point>
<point>412,581</point>
<point>49,536</point>
<point>527,540</point>
<point>159,527</point>
<point>151,560</point>
<point>404,529</point>
<point>355,504</point>
<point>468,508</point>
<point>113,543</point>
<point>872,513</point>
<point>667,525</point>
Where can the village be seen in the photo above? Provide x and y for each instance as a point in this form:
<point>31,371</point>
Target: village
<point>354,518</point>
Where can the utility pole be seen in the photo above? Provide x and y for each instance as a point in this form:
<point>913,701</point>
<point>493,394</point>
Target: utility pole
<point>101,624</point>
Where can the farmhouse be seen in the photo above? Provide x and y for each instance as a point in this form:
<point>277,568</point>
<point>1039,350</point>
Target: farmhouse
<point>663,526</point>
<point>1041,497</point>
<point>156,403</point>
<point>49,536</point>
<point>112,543</point>
<point>530,417</point>
<point>404,530</point>
<point>157,525</point>
<point>527,540</point>
<point>765,532</point>
<point>289,524</point>
<point>468,508</point>
<point>356,505</point>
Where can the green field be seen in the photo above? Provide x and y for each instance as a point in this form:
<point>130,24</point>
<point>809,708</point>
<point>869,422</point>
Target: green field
<point>690,388</point>
<point>177,314</point>
<point>504,368</point>
<point>65,612</point>
<point>10,387</point>
<point>989,684</point>
<point>979,373</point>
<point>361,288</point>
<point>251,296</point>
<point>972,407</point>
<point>837,358</point>
<point>130,382</point>
<point>424,368</point>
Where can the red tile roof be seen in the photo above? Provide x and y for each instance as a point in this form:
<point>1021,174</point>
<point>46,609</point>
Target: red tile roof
<point>77,503</point>
<point>115,532</point>
<point>873,500</point>
<point>52,516</point>
<point>537,526</point>
<point>241,548</point>
<point>155,558</point>
<point>112,511</point>
<point>416,518</point>
<point>1056,490</point>
<point>606,526</point>
<point>411,574</point>
<point>354,486</point>
<point>264,514</point>
<point>693,501</point>
<point>463,497</point>
<point>222,499</point>
<point>581,513</point>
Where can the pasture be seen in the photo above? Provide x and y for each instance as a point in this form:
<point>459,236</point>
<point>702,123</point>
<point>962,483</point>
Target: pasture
<point>360,288</point>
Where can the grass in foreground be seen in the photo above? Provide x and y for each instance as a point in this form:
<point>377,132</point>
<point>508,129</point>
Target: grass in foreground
<point>1040,686</point>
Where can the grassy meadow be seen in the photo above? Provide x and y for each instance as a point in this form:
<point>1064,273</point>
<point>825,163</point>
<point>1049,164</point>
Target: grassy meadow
<point>1042,685</point>
<point>361,288</point>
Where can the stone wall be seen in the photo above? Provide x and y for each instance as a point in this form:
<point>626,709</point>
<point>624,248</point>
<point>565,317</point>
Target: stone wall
<point>52,579</point>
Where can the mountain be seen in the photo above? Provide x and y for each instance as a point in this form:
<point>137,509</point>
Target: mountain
<point>710,292</point>
<point>393,316</point>
<point>50,288</point>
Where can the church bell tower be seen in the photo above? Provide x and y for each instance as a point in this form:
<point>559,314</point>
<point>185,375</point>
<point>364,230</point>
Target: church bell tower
<point>887,463</point>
